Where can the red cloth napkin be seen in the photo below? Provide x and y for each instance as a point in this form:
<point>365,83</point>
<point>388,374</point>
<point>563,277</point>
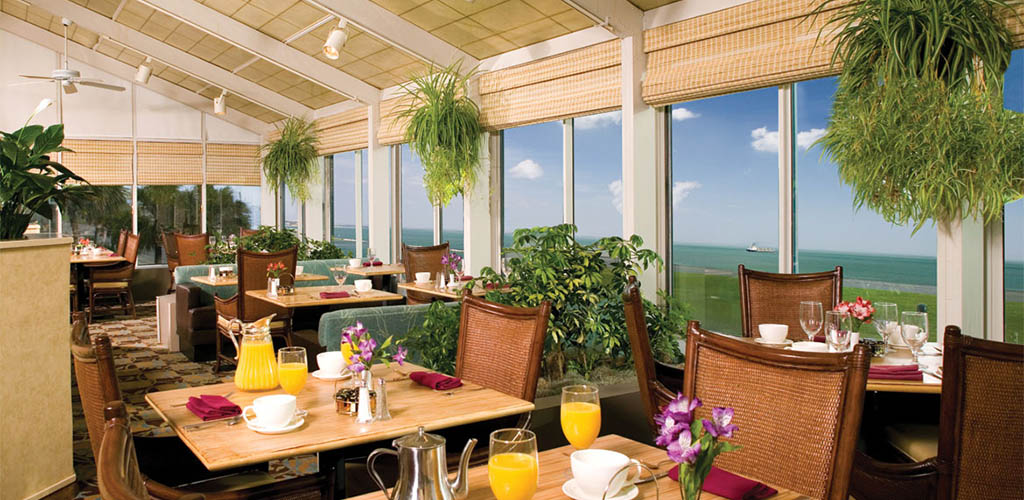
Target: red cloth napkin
<point>466,277</point>
<point>436,381</point>
<point>374,263</point>
<point>729,485</point>
<point>819,338</point>
<point>895,372</point>
<point>333,295</point>
<point>112,254</point>
<point>210,407</point>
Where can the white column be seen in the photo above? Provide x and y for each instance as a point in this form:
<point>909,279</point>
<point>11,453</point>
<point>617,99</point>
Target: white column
<point>378,187</point>
<point>477,220</point>
<point>786,148</point>
<point>961,278</point>
<point>358,199</point>
<point>314,208</point>
<point>568,173</point>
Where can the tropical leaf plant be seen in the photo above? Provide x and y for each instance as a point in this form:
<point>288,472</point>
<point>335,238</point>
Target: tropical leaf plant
<point>291,159</point>
<point>444,131</point>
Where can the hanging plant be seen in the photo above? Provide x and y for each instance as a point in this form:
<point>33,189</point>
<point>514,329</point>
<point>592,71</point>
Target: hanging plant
<point>918,129</point>
<point>291,159</point>
<point>444,131</point>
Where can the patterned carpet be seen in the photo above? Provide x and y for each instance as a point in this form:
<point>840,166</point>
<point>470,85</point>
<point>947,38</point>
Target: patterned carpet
<point>143,365</point>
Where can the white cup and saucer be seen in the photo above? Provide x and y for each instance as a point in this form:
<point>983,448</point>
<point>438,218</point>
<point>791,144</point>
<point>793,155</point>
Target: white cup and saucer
<point>274,414</point>
<point>422,278</point>
<point>298,270</point>
<point>363,285</point>
<point>355,263</point>
<point>773,334</point>
<point>594,471</point>
<point>332,366</point>
<point>806,346</point>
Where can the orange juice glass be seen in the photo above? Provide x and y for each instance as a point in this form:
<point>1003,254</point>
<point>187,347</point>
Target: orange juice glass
<point>513,469</point>
<point>580,415</point>
<point>292,369</point>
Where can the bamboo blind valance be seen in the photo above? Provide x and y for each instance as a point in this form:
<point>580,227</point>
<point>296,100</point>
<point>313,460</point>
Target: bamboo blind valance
<point>345,131</point>
<point>392,127</point>
<point>577,83</point>
<point>170,163</point>
<point>101,162</point>
<point>234,164</point>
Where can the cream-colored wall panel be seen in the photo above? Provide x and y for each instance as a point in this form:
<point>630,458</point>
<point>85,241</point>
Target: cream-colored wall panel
<point>218,130</point>
<point>163,118</point>
<point>22,57</point>
<point>82,109</point>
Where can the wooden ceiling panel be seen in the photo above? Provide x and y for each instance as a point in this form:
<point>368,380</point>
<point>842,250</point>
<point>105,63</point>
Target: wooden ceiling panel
<point>487,47</point>
<point>226,7</point>
<point>432,15</point>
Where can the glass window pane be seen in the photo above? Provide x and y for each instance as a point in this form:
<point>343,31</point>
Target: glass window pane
<point>452,223</point>
<point>724,200</point>
<point>881,262</point>
<point>533,177</point>
<point>165,208</point>
<point>292,212</point>
<point>1013,222</point>
<point>366,206</point>
<point>597,169</point>
<point>344,215</point>
<point>417,212</point>
<point>229,209</point>
<point>100,219</point>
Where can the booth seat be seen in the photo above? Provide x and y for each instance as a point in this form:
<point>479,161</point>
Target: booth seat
<point>380,321</point>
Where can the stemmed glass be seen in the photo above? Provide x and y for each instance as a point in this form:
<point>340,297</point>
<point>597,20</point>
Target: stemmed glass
<point>340,274</point>
<point>886,321</point>
<point>810,318</point>
<point>580,415</point>
<point>292,368</point>
<point>914,330</point>
<point>837,336</point>
<point>513,469</point>
<point>371,254</point>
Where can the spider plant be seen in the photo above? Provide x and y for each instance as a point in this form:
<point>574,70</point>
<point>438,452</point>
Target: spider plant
<point>291,160</point>
<point>444,131</point>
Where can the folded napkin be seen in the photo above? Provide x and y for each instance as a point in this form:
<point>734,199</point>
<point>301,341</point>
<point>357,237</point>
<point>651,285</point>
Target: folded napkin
<point>210,407</point>
<point>333,295</point>
<point>728,485</point>
<point>436,381</point>
<point>466,277</point>
<point>819,338</point>
<point>374,263</point>
<point>895,372</point>
<point>113,254</point>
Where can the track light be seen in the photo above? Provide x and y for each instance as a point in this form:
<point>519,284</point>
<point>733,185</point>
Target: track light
<point>337,38</point>
<point>145,71</point>
<point>219,105</point>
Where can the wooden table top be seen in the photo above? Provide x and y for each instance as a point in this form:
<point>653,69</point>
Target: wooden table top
<point>309,296</point>
<point>233,280</point>
<point>102,258</point>
<point>428,288</point>
<point>221,446</point>
<point>555,470</point>
<point>382,270</point>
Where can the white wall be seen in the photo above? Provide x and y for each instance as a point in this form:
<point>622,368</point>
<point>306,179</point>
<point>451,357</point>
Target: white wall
<point>162,118</point>
<point>93,112</point>
<point>19,56</point>
<point>218,130</point>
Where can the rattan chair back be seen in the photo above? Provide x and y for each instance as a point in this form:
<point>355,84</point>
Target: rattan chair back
<point>117,466</point>
<point>95,376</point>
<point>654,393</point>
<point>420,260</point>
<point>191,248</point>
<point>131,249</point>
<point>252,275</point>
<point>775,298</point>
<point>500,347</point>
<point>798,413</point>
<point>981,437</point>
<point>243,232</point>
<point>122,240</point>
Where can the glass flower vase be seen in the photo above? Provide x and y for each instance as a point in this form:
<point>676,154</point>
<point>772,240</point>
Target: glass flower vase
<point>690,482</point>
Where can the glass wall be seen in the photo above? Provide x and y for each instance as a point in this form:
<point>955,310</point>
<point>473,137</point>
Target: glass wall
<point>724,199</point>
<point>452,218</point>
<point>165,208</point>
<point>1013,222</point>
<point>229,209</point>
<point>343,216</point>
<point>597,175</point>
<point>532,177</point>
<point>417,212</point>
<point>100,219</point>
<point>292,212</point>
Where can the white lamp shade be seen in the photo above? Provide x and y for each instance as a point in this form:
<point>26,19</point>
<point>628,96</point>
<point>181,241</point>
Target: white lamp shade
<point>143,73</point>
<point>332,47</point>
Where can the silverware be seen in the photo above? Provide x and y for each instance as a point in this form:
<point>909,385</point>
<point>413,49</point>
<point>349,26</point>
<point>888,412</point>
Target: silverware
<point>209,423</point>
<point>653,478</point>
<point>933,373</point>
<point>179,405</point>
<point>657,465</point>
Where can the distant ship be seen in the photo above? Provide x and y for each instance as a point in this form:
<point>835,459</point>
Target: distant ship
<point>754,248</point>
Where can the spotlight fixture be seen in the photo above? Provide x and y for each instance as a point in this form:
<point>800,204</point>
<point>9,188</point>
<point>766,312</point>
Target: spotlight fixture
<point>145,71</point>
<point>337,38</point>
<point>219,105</point>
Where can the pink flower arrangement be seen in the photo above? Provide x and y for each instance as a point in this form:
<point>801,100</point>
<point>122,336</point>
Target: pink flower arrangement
<point>859,311</point>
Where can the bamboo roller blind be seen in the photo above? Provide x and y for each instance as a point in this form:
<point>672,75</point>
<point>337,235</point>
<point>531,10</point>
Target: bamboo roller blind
<point>392,128</point>
<point>101,162</point>
<point>234,164</point>
<point>170,163</point>
<point>345,131</point>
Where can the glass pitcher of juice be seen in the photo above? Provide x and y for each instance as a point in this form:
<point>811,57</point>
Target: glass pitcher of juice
<point>257,365</point>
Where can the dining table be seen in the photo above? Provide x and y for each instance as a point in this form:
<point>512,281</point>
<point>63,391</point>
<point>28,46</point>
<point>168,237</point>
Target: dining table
<point>555,471</point>
<point>232,280</point>
<point>445,293</point>
<point>384,276</point>
<point>103,257</point>
<point>309,296</point>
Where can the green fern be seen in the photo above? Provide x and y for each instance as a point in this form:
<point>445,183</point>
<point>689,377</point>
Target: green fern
<point>291,160</point>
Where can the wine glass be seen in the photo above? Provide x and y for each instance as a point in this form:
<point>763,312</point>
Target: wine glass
<point>810,318</point>
<point>513,469</point>
<point>340,274</point>
<point>580,415</point>
<point>292,368</point>
<point>914,330</point>
<point>837,335</point>
<point>371,254</point>
<point>886,321</point>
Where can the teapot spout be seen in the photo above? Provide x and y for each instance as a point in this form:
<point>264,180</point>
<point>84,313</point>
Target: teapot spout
<point>460,488</point>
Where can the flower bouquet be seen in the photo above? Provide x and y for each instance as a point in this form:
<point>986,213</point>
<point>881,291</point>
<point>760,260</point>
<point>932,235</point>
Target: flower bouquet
<point>858,312</point>
<point>357,340</point>
<point>453,262</point>
<point>693,445</point>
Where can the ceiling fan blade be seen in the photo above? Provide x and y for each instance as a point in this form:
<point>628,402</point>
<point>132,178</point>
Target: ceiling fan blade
<point>69,87</point>
<point>34,82</point>
<point>100,84</point>
<point>37,77</point>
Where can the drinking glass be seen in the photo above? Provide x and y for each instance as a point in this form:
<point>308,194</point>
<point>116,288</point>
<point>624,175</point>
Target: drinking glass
<point>914,330</point>
<point>580,415</point>
<point>291,368</point>
<point>810,318</point>
<point>513,467</point>
<point>837,335</point>
<point>371,254</point>
<point>886,321</point>
<point>340,274</point>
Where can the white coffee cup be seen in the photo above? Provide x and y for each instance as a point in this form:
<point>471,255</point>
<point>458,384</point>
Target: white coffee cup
<point>594,470</point>
<point>331,362</point>
<point>298,270</point>
<point>363,285</point>
<point>772,332</point>
<point>810,346</point>
<point>355,263</point>
<point>422,277</point>
<point>273,411</point>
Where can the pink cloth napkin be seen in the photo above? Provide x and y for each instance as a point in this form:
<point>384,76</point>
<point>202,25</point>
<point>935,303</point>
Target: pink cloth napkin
<point>374,263</point>
<point>210,407</point>
<point>112,254</point>
<point>466,277</point>
<point>436,381</point>
<point>895,372</point>
<point>333,295</point>
<point>819,338</point>
<point>729,485</point>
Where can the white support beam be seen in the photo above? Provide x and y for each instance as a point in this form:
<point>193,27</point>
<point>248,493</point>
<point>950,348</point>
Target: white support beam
<point>396,31</point>
<point>238,34</point>
<point>379,189</point>
<point>679,11</point>
<point>124,71</point>
<point>617,16</point>
<point>172,56</point>
<point>547,48</point>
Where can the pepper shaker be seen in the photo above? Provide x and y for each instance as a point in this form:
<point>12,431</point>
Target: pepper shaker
<point>382,401</point>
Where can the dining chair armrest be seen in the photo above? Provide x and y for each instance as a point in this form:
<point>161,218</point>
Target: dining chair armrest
<point>226,307</point>
<point>872,479</point>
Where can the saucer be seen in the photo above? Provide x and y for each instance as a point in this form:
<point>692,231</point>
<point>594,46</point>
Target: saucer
<point>422,282</point>
<point>297,421</point>
<point>762,341</point>
<point>626,493</point>
<point>323,376</point>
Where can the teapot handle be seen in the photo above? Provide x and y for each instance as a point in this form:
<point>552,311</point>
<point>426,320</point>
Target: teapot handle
<point>373,472</point>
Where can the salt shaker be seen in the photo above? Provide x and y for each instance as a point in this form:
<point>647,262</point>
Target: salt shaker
<point>382,401</point>
<point>365,415</point>
<point>440,281</point>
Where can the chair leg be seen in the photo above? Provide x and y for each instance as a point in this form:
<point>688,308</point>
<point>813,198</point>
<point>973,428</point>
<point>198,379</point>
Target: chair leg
<point>131,302</point>
<point>92,304</point>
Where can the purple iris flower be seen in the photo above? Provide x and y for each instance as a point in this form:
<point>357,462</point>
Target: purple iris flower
<point>400,354</point>
<point>720,423</point>
<point>684,450</point>
<point>366,346</point>
<point>682,405</point>
<point>669,428</point>
<point>356,366</point>
<point>346,338</point>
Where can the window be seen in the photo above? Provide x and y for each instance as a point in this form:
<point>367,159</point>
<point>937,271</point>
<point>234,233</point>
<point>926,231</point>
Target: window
<point>343,225</point>
<point>292,211</point>
<point>1013,222</point>
<point>417,212</point>
<point>100,219</point>
<point>881,262</point>
<point>452,222</point>
<point>724,200</point>
<point>597,175</point>
<point>229,209</point>
<point>532,182</point>
<point>165,208</point>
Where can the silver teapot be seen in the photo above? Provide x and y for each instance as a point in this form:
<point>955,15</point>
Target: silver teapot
<point>422,469</point>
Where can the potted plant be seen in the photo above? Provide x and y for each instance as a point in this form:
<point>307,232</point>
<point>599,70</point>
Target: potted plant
<point>444,131</point>
<point>291,160</point>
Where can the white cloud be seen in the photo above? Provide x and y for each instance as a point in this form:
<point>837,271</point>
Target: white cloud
<point>527,169</point>
<point>807,137</point>
<point>680,190</point>
<point>597,121</point>
<point>769,141</point>
<point>680,114</point>
<point>615,188</point>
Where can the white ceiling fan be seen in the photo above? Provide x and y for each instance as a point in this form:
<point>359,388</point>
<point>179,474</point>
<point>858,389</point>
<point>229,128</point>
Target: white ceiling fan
<point>68,78</point>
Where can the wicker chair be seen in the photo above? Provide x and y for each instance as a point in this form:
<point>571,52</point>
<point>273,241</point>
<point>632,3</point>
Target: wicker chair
<point>252,275</point>
<point>420,260</point>
<point>115,280</point>
<point>981,441</point>
<point>798,417</point>
<point>171,249</point>
<point>650,373</point>
<point>243,232</point>
<point>122,241</point>
<point>775,298</point>
<point>191,248</point>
